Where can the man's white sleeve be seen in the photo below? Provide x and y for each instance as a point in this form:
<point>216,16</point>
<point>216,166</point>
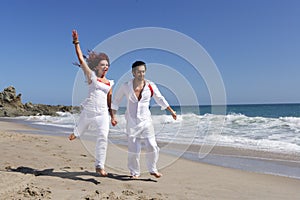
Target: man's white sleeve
<point>118,97</point>
<point>159,99</point>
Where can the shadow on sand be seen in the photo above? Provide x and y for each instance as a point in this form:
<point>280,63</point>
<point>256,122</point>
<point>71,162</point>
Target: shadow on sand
<point>74,175</point>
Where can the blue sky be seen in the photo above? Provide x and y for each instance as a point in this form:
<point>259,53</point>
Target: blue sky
<point>254,43</point>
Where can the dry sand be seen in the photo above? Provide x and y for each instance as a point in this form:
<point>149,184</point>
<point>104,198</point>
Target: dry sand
<point>50,167</point>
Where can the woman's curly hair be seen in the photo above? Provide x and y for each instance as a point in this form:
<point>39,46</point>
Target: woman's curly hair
<point>93,59</point>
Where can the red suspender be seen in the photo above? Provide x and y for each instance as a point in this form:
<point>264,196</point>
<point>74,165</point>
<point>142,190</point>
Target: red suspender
<point>151,89</point>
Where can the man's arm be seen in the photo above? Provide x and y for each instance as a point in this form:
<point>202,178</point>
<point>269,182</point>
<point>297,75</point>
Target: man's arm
<point>120,93</point>
<point>160,100</point>
<point>173,113</point>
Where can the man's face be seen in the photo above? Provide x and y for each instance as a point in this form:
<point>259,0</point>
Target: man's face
<point>139,72</point>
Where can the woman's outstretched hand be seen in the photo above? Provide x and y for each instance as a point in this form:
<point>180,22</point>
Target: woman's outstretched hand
<point>75,35</point>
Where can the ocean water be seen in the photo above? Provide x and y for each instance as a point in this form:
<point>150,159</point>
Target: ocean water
<point>270,128</point>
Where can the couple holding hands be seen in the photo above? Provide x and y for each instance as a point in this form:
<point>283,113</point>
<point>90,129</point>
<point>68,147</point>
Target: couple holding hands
<point>99,107</point>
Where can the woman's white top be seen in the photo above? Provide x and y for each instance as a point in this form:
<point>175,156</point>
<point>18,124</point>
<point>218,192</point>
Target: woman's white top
<point>97,95</point>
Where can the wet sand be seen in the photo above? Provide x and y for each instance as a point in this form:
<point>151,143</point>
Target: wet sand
<point>36,166</point>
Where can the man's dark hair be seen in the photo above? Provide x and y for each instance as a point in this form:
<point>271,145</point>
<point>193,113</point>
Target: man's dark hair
<point>138,63</point>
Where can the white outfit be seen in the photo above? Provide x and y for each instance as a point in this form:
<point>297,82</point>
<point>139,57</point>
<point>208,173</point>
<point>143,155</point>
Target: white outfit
<point>139,124</point>
<point>95,111</point>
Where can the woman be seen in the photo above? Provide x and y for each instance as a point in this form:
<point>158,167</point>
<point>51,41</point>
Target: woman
<point>96,107</point>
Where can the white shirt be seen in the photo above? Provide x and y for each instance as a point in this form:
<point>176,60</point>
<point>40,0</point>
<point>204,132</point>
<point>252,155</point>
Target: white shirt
<point>138,113</point>
<point>97,99</point>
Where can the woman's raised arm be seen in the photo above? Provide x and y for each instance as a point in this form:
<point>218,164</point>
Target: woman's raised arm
<point>83,64</point>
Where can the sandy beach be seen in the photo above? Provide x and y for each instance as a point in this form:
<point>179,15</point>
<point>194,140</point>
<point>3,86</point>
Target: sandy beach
<point>36,166</point>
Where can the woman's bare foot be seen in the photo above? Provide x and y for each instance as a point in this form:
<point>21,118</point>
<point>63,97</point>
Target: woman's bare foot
<point>156,174</point>
<point>72,137</point>
<point>100,171</point>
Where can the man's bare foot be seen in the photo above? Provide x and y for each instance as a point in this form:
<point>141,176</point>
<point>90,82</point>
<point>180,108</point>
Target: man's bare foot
<point>72,137</point>
<point>134,177</point>
<point>156,174</point>
<point>100,171</point>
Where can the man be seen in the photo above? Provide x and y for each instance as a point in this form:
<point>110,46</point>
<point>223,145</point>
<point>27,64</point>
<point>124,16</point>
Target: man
<point>138,92</point>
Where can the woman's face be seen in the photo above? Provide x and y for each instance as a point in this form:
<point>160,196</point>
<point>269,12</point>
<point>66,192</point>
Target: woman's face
<point>102,68</point>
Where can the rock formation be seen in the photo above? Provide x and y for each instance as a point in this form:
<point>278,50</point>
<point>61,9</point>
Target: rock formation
<point>11,106</point>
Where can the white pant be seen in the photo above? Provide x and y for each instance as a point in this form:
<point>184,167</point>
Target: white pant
<point>101,121</point>
<point>134,150</point>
